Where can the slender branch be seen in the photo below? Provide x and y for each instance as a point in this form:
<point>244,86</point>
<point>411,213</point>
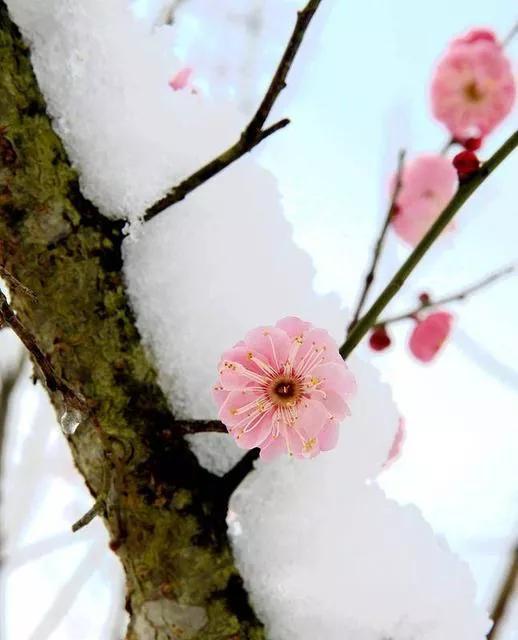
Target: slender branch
<point>504,597</point>
<point>465,190</point>
<point>52,380</point>
<point>371,275</point>
<point>98,508</point>
<point>254,132</point>
<point>454,297</point>
<point>189,427</point>
<point>507,40</point>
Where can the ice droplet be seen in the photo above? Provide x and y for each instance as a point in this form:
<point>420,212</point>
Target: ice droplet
<point>70,419</point>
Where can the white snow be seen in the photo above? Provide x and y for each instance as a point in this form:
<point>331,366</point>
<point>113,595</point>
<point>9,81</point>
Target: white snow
<point>326,557</point>
<point>105,76</point>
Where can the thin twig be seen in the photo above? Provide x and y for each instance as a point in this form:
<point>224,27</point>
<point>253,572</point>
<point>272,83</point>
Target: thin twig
<point>454,297</point>
<point>189,427</point>
<point>15,284</point>
<point>465,190</point>
<point>371,275</point>
<point>97,509</point>
<point>254,132</point>
<point>504,597</point>
<point>52,380</point>
<point>507,40</point>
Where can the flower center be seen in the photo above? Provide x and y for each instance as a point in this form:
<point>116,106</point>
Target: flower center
<point>472,92</point>
<point>285,391</point>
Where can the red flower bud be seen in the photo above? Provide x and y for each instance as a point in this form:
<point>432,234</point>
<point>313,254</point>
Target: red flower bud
<point>466,163</point>
<point>379,339</point>
<point>424,298</point>
<point>472,144</point>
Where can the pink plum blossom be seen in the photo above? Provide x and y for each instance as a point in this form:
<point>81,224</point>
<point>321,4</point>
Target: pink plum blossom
<point>427,185</point>
<point>430,334</point>
<point>181,79</point>
<point>284,389</point>
<point>397,444</point>
<point>473,88</point>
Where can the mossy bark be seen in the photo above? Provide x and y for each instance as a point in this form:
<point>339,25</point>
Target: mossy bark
<point>165,514</point>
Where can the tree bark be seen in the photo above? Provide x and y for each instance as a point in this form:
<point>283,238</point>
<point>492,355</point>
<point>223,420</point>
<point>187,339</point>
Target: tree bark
<point>165,514</point>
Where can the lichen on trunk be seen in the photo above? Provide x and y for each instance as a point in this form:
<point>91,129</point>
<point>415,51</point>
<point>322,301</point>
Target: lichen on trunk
<point>165,514</point>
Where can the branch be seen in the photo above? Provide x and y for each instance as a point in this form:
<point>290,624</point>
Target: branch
<point>369,280</point>
<point>233,478</point>
<point>507,40</point>
<point>465,190</point>
<point>189,427</point>
<point>254,132</point>
<point>504,597</point>
<point>454,297</point>
<point>52,380</point>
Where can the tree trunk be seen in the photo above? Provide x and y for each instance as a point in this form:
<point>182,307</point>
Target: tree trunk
<point>165,514</point>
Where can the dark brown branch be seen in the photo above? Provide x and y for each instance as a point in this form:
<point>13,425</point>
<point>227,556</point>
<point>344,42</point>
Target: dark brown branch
<point>189,427</point>
<point>52,380</point>
<point>254,132</point>
<point>239,472</point>
<point>454,297</point>
<point>504,597</point>
<point>371,275</point>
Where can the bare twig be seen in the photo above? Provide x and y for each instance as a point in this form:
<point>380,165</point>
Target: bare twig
<point>254,132</point>
<point>97,509</point>
<point>371,275</point>
<point>15,284</point>
<point>454,297</point>
<point>504,597</point>
<point>507,40</point>
<point>189,427</point>
<point>465,190</point>
<point>52,380</point>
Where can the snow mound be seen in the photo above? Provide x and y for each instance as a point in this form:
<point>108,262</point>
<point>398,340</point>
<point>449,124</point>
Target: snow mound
<point>104,74</point>
<point>323,557</point>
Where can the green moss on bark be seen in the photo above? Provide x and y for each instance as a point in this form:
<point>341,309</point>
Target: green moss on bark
<point>165,514</point>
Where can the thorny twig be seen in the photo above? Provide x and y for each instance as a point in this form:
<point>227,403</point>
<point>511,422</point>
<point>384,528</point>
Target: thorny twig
<point>504,597</point>
<point>254,132</point>
<point>454,297</point>
<point>465,190</point>
<point>371,275</point>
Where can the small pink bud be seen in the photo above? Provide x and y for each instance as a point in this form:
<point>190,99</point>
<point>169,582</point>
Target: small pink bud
<point>181,79</point>
<point>430,334</point>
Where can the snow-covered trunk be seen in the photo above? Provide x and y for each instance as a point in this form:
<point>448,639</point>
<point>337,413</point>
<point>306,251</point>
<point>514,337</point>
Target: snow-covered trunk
<point>165,514</point>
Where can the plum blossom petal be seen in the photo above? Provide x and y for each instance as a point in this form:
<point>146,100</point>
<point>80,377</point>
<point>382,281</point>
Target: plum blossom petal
<point>180,80</point>
<point>328,437</point>
<point>429,335</point>
<point>273,448</point>
<point>397,444</point>
<point>284,389</point>
<point>293,326</point>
